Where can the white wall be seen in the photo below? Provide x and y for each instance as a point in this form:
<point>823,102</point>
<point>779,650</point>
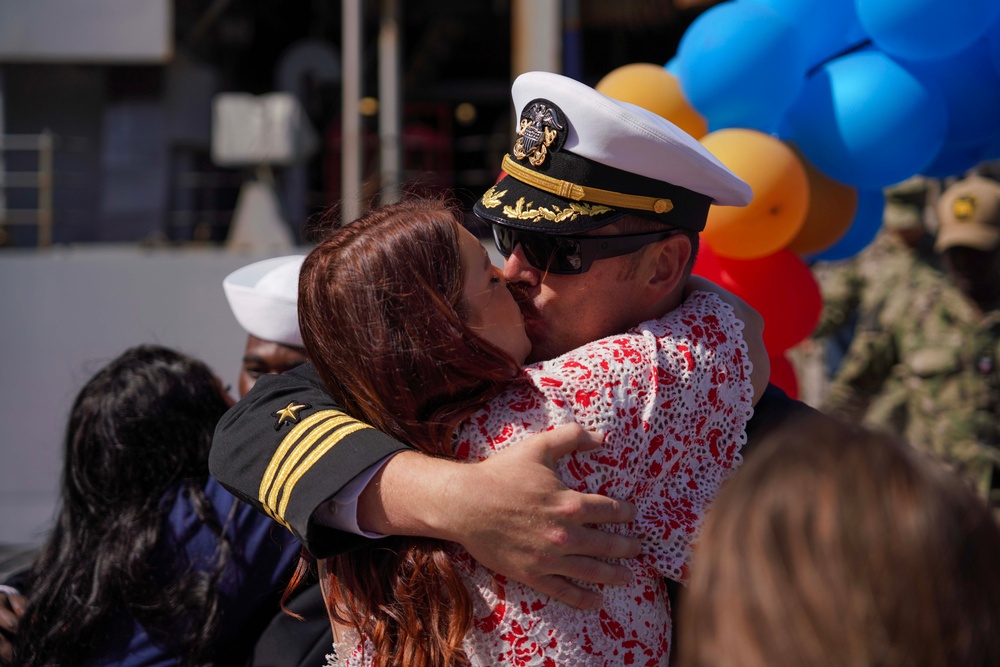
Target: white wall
<point>63,315</point>
<point>103,31</point>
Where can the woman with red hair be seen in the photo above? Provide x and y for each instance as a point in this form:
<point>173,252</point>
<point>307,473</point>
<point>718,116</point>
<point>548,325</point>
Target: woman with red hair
<point>413,331</point>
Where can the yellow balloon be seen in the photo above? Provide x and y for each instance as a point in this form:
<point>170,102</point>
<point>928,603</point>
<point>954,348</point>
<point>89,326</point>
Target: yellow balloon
<point>780,195</point>
<point>655,89</point>
<point>832,207</point>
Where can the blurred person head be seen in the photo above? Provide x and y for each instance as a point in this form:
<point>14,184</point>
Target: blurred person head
<point>969,237</point>
<point>138,435</point>
<point>834,545</point>
<point>904,220</point>
<point>903,214</point>
<point>598,211</point>
<point>263,298</point>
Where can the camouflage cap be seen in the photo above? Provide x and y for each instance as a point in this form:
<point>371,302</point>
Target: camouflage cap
<point>900,216</point>
<point>914,189</point>
<point>969,215</point>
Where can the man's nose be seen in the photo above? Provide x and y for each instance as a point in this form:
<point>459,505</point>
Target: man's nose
<point>517,269</point>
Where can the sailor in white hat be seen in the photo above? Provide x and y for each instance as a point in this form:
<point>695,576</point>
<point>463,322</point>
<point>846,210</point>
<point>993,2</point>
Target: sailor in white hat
<point>598,216</point>
<point>590,178</point>
<point>263,297</point>
<point>582,160</point>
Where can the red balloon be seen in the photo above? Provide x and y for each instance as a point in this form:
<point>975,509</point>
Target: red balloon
<point>706,265</point>
<point>782,289</point>
<point>783,375</point>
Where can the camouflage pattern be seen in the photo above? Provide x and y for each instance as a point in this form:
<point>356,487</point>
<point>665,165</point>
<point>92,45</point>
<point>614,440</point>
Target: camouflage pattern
<point>857,285</point>
<point>924,365</point>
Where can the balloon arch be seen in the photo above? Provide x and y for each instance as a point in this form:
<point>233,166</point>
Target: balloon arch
<point>819,106</point>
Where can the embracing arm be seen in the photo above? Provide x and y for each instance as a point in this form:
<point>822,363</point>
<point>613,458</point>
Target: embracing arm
<point>674,398</point>
<point>753,331</point>
<point>512,513</point>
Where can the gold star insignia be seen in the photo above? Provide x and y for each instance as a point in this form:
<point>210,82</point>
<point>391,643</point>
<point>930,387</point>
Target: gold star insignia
<point>289,414</point>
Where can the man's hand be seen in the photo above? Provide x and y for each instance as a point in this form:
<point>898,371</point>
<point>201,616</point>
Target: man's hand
<point>511,512</point>
<point>12,608</point>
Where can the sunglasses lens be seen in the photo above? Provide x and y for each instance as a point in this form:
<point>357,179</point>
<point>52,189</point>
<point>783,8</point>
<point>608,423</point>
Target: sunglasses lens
<point>561,255</point>
<point>504,238</point>
<point>555,254</point>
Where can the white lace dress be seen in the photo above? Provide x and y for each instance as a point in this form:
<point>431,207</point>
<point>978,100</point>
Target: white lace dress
<point>673,397</point>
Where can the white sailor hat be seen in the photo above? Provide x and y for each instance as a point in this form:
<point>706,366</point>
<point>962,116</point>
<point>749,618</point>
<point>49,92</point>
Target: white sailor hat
<point>582,159</point>
<point>264,298</point>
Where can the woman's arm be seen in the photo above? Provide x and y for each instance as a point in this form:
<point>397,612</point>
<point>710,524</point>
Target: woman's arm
<point>673,397</point>
<point>753,330</point>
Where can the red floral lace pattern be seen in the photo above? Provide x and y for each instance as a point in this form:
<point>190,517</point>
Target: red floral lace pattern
<point>672,397</point>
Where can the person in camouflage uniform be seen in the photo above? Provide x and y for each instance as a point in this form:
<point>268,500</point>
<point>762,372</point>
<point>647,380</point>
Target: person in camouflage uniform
<point>929,351</point>
<point>855,286</point>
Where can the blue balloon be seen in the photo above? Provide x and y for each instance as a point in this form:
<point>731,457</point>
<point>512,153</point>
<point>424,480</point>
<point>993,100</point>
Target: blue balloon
<point>991,152</point>
<point>741,65</point>
<point>926,29</point>
<point>993,42</point>
<point>969,85</point>
<point>826,27</point>
<point>864,228</point>
<point>953,160</point>
<point>864,120</point>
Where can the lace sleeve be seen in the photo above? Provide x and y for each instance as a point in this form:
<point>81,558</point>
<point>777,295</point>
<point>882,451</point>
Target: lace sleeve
<point>673,397</point>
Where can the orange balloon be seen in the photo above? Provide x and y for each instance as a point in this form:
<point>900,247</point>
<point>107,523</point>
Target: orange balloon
<point>832,208</point>
<point>780,195</point>
<point>655,89</point>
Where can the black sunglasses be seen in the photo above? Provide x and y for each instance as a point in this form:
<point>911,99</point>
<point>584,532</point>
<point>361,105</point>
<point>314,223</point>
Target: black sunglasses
<point>570,254</point>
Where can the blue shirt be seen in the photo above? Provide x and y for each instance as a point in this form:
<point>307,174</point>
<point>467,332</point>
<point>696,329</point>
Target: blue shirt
<point>263,559</point>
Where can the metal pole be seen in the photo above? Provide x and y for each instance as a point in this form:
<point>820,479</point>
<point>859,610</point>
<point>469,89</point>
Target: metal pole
<point>536,36</point>
<point>389,109</point>
<point>350,140</point>
<point>45,184</point>
<point>3,167</point>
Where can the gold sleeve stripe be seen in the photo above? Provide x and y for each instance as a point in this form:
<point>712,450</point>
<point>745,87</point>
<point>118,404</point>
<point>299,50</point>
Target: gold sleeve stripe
<point>316,455</point>
<point>299,450</point>
<point>286,444</point>
<point>568,190</point>
<point>279,488</point>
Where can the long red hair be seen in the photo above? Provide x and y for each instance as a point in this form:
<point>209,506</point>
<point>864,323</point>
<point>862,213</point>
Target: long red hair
<point>382,319</point>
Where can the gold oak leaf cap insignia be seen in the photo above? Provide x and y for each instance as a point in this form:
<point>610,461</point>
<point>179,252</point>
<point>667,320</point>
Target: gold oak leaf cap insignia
<point>289,414</point>
<point>582,160</point>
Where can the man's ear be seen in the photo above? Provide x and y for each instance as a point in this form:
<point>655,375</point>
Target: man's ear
<point>667,267</point>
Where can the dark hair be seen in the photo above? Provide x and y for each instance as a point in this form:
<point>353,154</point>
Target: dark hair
<point>834,545</point>
<point>381,315</point>
<point>139,434</point>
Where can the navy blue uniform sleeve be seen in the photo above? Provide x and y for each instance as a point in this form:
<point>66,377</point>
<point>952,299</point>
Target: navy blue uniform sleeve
<point>286,447</point>
<point>773,409</point>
